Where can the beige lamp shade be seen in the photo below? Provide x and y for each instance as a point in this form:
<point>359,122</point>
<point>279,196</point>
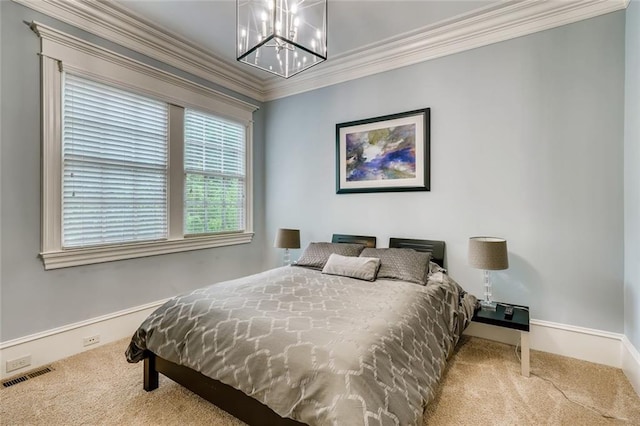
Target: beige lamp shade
<point>489,253</point>
<point>287,238</point>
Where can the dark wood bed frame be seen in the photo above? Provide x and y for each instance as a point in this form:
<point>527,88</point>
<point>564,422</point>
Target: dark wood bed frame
<point>354,239</point>
<point>236,402</point>
<point>436,248</point>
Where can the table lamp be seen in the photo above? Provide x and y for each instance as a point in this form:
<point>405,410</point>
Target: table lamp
<point>287,239</point>
<point>490,254</point>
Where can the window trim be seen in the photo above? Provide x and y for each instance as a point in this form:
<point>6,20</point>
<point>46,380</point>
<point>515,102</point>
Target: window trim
<point>60,50</point>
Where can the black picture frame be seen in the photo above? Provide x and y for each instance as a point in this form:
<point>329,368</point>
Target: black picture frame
<point>390,153</point>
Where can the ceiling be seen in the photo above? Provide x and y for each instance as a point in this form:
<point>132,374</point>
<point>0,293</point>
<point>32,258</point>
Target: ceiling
<point>354,25</point>
<point>365,37</point>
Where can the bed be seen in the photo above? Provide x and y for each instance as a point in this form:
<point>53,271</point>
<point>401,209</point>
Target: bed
<point>294,345</point>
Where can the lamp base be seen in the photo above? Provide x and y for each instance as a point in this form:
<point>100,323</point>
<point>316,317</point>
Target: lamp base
<point>488,306</point>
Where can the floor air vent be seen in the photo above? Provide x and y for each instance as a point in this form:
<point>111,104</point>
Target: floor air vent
<point>26,377</point>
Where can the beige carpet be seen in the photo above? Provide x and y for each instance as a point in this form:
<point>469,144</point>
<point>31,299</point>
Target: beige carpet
<point>482,386</point>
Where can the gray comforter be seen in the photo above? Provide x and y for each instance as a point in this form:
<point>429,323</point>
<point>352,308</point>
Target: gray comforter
<point>317,348</point>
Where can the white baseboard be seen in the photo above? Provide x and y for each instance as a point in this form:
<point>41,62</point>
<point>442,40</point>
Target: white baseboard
<point>53,345</point>
<point>631,363</point>
<point>576,342</point>
<point>601,347</point>
<point>591,345</point>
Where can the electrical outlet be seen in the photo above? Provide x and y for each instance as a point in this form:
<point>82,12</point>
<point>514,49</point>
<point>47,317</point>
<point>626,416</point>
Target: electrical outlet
<point>16,364</point>
<point>91,340</point>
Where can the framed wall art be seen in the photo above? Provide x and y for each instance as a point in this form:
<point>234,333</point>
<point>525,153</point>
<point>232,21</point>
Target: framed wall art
<point>384,154</point>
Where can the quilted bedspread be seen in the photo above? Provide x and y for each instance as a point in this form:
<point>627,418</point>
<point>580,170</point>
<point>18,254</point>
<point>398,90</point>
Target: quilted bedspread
<point>321,349</point>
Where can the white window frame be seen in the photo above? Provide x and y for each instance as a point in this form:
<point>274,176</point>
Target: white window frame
<point>60,51</point>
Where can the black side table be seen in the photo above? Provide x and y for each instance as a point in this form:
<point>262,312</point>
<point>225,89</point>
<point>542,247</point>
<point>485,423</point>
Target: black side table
<point>520,322</point>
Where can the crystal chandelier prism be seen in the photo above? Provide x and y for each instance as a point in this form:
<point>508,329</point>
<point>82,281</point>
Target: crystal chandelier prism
<point>283,37</point>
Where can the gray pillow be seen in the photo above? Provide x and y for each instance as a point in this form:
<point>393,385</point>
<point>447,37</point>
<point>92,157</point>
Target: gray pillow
<point>400,264</point>
<point>315,256</point>
<point>362,268</point>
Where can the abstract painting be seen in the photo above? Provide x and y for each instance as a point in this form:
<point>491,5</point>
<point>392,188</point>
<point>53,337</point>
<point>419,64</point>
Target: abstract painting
<point>383,154</point>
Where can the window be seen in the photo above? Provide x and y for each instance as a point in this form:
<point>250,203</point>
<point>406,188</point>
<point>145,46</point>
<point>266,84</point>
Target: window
<point>115,165</point>
<point>214,174</point>
<point>137,162</point>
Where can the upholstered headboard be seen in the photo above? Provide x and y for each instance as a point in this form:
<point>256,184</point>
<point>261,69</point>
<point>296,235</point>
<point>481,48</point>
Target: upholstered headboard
<point>354,239</point>
<point>436,248</point>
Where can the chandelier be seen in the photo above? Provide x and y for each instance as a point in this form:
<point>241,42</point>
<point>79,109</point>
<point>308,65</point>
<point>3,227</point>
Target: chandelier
<point>283,37</point>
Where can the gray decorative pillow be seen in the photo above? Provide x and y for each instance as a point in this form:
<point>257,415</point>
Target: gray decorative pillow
<point>400,263</point>
<point>315,256</point>
<point>362,268</point>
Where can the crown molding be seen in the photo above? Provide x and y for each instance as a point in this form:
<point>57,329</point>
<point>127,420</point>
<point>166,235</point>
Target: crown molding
<point>119,25</point>
<point>496,23</point>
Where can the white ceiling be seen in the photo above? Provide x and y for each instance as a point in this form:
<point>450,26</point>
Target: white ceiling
<point>353,25</point>
<point>366,37</point>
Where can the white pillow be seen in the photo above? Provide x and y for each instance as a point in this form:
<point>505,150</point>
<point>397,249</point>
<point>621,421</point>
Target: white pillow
<point>362,268</point>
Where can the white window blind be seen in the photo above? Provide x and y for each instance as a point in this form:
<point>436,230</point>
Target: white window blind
<point>214,165</point>
<point>115,166</point>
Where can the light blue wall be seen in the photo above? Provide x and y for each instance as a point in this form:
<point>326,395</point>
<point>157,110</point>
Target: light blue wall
<point>34,300</point>
<point>527,144</point>
<point>632,176</point>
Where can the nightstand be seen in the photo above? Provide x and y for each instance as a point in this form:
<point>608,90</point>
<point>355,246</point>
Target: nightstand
<point>520,322</point>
